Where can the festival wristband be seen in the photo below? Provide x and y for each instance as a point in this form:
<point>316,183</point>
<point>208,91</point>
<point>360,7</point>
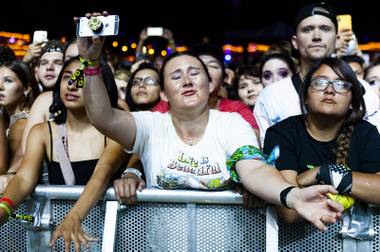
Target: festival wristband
<point>337,175</point>
<point>87,62</point>
<point>7,200</point>
<point>92,71</point>
<point>7,209</point>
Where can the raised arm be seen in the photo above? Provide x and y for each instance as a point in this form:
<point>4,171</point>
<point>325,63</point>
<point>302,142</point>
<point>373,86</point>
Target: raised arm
<point>311,203</point>
<point>114,123</point>
<point>70,228</point>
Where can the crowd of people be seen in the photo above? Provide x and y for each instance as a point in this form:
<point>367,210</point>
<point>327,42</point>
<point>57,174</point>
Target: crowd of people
<point>293,131</point>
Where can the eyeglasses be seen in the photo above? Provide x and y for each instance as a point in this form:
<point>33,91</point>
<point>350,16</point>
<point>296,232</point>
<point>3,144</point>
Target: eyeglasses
<point>339,86</point>
<point>149,81</point>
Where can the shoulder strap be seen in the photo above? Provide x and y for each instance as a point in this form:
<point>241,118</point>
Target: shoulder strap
<point>63,155</point>
<point>51,141</point>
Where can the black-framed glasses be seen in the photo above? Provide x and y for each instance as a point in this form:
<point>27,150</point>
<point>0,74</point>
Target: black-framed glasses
<point>149,81</point>
<point>339,86</point>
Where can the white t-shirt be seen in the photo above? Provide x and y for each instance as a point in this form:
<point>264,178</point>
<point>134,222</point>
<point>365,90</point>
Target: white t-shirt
<point>280,100</point>
<point>170,163</point>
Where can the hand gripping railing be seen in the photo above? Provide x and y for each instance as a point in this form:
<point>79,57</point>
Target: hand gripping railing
<point>274,240</point>
<point>190,197</point>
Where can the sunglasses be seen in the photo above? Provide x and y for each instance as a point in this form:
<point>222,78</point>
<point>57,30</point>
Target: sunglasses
<point>339,86</point>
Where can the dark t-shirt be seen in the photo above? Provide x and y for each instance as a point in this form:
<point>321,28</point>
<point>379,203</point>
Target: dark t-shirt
<point>300,151</point>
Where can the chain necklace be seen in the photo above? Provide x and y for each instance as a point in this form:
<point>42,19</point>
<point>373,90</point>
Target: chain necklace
<point>189,140</point>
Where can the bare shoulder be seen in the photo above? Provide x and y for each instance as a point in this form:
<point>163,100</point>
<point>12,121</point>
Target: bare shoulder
<point>40,129</point>
<point>18,127</point>
<point>44,97</point>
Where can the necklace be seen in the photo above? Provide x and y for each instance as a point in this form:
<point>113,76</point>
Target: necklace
<point>189,140</point>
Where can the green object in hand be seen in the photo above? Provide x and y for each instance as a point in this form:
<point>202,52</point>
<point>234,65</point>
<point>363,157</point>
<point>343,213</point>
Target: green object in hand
<point>95,24</point>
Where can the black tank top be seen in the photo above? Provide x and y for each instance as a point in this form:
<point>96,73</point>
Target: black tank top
<point>83,170</point>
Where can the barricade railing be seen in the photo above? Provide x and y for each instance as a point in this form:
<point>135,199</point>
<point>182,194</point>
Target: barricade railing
<point>173,220</point>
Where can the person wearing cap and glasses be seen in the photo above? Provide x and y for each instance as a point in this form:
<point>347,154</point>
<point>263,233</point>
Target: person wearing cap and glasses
<point>329,143</point>
<point>315,34</point>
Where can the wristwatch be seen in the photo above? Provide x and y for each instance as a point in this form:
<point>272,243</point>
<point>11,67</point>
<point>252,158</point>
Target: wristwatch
<point>133,171</point>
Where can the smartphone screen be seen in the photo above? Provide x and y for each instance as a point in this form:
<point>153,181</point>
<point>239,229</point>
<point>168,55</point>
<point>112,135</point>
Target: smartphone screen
<point>39,36</point>
<point>110,26</point>
<point>344,22</point>
<point>155,31</point>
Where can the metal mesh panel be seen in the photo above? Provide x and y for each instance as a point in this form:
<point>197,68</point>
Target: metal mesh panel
<point>230,228</point>
<point>164,227</point>
<point>376,227</point>
<point>93,224</point>
<point>305,237</point>
<point>13,235</point>
<point>152,227</point>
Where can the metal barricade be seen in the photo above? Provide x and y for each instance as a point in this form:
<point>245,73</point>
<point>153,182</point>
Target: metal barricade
<point>176,220</point>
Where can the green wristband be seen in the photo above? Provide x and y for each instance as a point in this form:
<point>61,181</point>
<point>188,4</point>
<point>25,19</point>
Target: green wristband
<point>7,209</point>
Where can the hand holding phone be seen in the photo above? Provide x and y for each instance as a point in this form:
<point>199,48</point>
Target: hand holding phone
<point>155,31</point>
<point>39,37</point>
<point>98,26</point>
<point>344,22</point>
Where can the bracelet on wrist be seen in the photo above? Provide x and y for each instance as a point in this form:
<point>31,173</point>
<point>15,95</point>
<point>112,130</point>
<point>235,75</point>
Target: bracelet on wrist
<point>92,71</point>
<point>7,209</point>
<point>87,62</point>
<point>132,171</point>
<point>7,201</point>
<point>284,193</point>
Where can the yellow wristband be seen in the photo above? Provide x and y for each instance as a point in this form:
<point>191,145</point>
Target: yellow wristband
<point>7,209</point>
<point>87,62</point>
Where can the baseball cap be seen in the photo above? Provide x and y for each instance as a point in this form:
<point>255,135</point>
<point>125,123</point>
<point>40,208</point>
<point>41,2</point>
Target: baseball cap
<point>316,9</point>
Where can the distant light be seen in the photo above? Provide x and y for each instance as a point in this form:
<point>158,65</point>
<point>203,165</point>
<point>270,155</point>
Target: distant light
<point>12,40</point>
<point>115,44</point>
<point>151,51</point>
<point>124,48</point>
<point>63,39</point>
<point>133,45</point>
<point>181,48</point>
<point>231,48</point>
<point>144,49</point>
<point>227,57</point>
<point>131,58</point>
<point>163,53</point>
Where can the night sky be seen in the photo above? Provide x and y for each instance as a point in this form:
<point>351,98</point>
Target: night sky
<point>222,21</point>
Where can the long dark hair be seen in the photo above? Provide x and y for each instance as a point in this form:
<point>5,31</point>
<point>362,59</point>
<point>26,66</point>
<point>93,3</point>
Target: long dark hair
<point>357,108</point>
<point>128,96</point>
<point>58,109</point>
<point>27,78</point>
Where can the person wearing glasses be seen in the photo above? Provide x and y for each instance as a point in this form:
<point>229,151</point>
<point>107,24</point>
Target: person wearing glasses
<point>329,143</point>
<point>143,89</point>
